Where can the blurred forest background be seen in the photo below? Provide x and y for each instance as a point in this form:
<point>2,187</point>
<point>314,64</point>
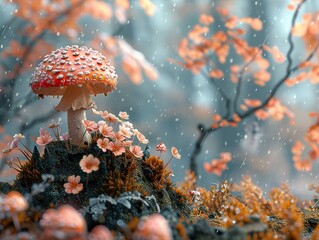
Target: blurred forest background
<point>165,101</point>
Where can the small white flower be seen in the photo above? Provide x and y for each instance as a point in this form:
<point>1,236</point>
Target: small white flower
<point>18,136</point>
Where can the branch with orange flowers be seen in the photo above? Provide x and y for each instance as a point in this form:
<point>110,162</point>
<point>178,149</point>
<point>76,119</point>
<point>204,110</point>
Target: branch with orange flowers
<point>233,116</point>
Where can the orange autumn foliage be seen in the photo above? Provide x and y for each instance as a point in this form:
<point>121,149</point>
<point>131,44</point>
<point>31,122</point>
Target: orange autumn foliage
<point>276,54</point>
<point>216,73</point>
<point>217,166</point>
<point>275,110</point>
<point>308,29</point>
<point>206,19</point>
<point>310,143</point>
<point>62,18</point>
<point>252,102</point>
<point>226,54</point>
<point>201,44</point>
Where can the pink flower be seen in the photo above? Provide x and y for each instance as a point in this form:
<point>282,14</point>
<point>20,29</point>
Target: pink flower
<point>89,163</point>
<point>161,147</point>
<point>127,143</point>
<point>128,124</point>
<point>100,123</point>
<point>142,138</point>
<point>123,115</point>
<point>64,137</point>
<point>43,131</point>
<point>126,131</point>
<point>55,124</point>
<point>110,118</point>
<point>103,144</point>
<point>44,137</point>
<point>90,126</point>
<point>96,112</point>
<point>104,114</point>
<point>119,136</point>
<point>137,151</point>
<point>107,131</point>
<point>73,185</point>
<point>175,153</point>
<point>116,147</point>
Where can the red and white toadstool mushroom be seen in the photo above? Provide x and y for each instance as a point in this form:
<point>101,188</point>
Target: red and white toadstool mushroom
<point>75,73</point>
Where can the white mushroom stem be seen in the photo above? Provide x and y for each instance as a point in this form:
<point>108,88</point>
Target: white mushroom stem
<point>76,100</point>
<point>77,131</point>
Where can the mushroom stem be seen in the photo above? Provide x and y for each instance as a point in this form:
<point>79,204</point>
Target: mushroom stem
<point>77,131</point>
<point>76,100</point>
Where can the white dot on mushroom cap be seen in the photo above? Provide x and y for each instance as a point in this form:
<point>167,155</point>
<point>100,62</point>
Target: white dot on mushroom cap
<point>59,76</point>
<point>56,71</point>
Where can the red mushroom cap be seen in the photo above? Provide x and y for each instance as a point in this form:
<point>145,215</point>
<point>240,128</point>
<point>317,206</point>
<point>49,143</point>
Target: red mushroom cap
<point>74,66</point>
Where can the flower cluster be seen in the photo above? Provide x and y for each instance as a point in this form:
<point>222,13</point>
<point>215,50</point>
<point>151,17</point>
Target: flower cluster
<point>116,134</point>
<point>45,137</point>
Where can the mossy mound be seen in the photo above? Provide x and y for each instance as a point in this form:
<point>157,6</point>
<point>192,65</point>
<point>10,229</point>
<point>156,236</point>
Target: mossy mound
<point>115,176</point>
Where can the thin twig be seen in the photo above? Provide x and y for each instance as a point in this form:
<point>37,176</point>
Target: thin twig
<point>241,75</point>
